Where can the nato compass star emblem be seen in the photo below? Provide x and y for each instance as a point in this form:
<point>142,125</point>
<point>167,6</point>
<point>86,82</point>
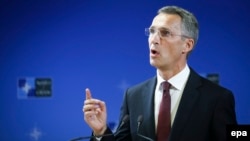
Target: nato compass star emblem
<point>32,87</point>
<point>35,134</point>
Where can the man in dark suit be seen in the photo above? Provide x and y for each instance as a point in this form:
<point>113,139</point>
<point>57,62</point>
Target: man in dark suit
<point>200,110</point>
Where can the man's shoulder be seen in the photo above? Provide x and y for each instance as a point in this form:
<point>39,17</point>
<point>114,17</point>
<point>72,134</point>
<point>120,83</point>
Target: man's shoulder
<point>206,87</point>
<point>149,82</point>
<point>206,83</point>
<point>145,88</point>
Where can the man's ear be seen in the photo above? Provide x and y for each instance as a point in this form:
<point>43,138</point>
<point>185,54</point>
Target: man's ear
<point>189,45</point>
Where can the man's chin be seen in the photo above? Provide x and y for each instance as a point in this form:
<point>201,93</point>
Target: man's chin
<point>152,63</point>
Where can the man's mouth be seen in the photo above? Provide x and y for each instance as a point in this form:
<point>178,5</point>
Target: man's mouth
<point>154,52</point>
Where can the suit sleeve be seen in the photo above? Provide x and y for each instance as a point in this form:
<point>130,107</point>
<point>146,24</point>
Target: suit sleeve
<point>123,132</point>
<point>224,114</point>
<point>106,138</point>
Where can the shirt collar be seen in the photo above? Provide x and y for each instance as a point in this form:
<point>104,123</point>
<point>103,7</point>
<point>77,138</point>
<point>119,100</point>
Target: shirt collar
<point>178,81</point>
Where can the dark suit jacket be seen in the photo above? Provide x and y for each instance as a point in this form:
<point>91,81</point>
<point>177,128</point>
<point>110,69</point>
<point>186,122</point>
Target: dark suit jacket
<point>204,111</point>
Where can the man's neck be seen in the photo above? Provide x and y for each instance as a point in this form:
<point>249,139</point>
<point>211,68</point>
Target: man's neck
<point>166,74</point>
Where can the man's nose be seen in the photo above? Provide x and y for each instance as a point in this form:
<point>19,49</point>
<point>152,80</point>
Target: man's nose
<point>155,38</point>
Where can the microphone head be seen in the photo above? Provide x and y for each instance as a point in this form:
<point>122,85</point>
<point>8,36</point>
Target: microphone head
<point>125,118</point>
<point>140,118</point>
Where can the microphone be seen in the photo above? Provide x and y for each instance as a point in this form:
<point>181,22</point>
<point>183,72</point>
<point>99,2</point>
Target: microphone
<point>139,121</point>
<point>124,120</point>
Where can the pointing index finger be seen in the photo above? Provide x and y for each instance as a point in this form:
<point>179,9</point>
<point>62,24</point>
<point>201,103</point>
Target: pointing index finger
<point>88,93</point>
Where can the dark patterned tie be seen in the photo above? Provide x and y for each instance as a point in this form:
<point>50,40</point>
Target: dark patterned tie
<point>164,118</point>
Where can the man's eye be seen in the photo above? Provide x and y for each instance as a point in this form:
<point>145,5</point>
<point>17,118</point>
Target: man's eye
<point>165,33</point>
<point>152,31</point>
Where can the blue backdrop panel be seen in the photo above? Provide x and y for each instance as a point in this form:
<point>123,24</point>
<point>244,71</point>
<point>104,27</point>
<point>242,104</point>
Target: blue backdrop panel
<point>101,45</point>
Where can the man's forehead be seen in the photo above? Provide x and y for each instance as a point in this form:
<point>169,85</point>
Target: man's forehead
<point>166,20</point>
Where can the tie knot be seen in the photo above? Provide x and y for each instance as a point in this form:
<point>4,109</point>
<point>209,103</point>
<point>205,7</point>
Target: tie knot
<point>166,85</point>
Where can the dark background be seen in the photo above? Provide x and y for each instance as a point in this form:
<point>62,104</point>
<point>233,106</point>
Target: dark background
<point>100,44</point>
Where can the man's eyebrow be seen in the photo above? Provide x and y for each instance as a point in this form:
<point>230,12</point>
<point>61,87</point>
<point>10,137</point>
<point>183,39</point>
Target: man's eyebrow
<point>164,28</point>
<point>161,28</point>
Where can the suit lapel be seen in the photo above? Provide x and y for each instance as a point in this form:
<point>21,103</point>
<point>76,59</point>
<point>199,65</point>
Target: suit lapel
<point>188,99</point>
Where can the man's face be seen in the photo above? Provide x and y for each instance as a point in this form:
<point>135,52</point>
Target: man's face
<point>168,49</point>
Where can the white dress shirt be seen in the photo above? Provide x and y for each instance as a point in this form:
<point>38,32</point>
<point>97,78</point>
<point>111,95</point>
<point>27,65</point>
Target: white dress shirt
<point>178,83</point>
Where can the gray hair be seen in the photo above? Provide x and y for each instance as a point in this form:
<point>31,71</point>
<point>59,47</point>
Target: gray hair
<point>189,25</point>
